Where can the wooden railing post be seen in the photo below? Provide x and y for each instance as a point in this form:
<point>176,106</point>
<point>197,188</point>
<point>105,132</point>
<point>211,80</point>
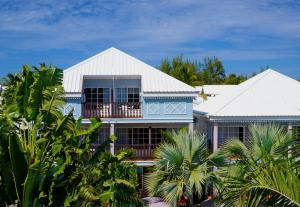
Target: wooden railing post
<point>112,110</point>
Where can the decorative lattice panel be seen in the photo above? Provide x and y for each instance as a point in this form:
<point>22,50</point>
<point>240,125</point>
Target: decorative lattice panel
<point>153,108</point>
<point>175,108</point>
<point>68,108</point>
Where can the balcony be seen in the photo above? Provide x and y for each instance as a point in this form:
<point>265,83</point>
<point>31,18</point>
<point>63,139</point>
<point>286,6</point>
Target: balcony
<point>112,110</point>
<point>142,151</point>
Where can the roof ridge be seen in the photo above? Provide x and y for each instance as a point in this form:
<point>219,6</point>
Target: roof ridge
<point>90,58</point>
<point>152,68</point>
<point>243,91</point>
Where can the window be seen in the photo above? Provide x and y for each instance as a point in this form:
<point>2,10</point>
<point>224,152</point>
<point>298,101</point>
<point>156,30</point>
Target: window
<point>131,95</point>
<point>121,95</point>
<point>226,133</point>
<point>137,136</point>
<point>96,95</point>
<point>157,135</point>
<point>103,135</point>
<point>132,136</point>
<point>296,131</point>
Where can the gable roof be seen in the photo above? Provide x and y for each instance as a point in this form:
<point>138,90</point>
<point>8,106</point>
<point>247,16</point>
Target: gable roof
<point>215,89</point>
<point>267,94</point>
<point>113,62</point>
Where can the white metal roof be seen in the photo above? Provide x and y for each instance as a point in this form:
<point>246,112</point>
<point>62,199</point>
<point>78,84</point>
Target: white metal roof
<point>113,62</point>
<point>267,94</point>
<point>215,89</point>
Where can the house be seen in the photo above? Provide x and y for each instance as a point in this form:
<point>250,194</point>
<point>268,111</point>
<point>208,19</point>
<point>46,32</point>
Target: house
<point>135,101</point>
<point>269,97</point>
<point>214,90</point>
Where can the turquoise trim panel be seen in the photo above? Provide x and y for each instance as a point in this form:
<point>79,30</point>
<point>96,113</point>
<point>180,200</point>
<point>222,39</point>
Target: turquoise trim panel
<point>167,107</point>
<point>163,108</point>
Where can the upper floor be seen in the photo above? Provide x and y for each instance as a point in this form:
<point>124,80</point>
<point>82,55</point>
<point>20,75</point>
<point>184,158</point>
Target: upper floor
<point>115,85</point>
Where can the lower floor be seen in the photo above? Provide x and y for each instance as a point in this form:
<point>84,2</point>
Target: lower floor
<point>141,137</point>
<point>218,132</point>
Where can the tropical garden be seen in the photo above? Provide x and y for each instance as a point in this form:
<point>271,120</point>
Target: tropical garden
<point>47,157</point>
<point>264,171</point>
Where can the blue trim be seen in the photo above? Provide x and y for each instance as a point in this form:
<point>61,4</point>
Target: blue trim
<point>255,119</point>
<point>167,97</point>
<point>145,121</point>
<point>143,163</point>
<point>72,98</point>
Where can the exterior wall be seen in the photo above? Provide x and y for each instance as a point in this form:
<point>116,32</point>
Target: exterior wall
<point>164,109</point>
<point>213,128</point>
<point>109,83</point>
<point>73,103</point>
<point>167,108</point>
<point>95,83</point>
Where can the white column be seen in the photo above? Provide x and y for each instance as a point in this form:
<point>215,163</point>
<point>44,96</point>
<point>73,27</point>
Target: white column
<point>215,137</point>
<point>191,128</point>
<point>290,129</point>
<point>149,147</point>
<point>112,132</point>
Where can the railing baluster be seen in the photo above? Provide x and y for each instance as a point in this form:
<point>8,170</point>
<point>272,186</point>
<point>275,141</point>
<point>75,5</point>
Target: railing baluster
<point>112,110</point>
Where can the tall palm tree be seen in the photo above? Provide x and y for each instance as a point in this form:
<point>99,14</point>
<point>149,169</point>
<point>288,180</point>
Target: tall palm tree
<point>263,172</point>
<point>182,168</point>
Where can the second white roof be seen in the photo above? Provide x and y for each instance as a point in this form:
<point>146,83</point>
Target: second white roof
<point>267,94</point>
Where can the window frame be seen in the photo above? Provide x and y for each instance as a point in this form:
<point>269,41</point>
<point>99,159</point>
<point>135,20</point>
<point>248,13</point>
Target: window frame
<point>127,95</point>
<point>97,95</point>
<point>223,139</point>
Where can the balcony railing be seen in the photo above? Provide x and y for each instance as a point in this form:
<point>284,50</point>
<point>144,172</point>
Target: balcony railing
<point>142,151</point>
<point>112,110</point>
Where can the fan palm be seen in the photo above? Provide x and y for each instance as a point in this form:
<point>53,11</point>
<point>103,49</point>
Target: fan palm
<point>182,168</point>
<point>263,172</point>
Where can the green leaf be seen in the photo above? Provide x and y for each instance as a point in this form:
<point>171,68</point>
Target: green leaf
<point>31,185</point>
<point>19,164</point>
<point>56,148</point>
<point>41,140</point>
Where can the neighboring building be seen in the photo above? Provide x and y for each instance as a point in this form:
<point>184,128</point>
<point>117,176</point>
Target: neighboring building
<point>269,97</point>
<point>214,90</point>
<point>207,92</point>
<point>134,101</point>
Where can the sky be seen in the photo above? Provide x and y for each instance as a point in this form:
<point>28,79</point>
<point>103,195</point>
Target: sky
<point>245,34</point>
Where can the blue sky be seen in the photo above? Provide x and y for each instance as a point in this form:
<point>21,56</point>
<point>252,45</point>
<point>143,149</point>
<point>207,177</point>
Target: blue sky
<point>244,34</point>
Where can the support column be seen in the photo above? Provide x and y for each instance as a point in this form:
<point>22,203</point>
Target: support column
<point>149,147</point>
<point>191,128</point>
<point>290,129</point>
<point>215,137</point>
<point>112,132</point>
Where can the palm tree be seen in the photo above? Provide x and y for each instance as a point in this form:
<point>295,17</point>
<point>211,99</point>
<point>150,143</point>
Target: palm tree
<point>45,157</point>
<point>263,172</point>
<point>182,168</point>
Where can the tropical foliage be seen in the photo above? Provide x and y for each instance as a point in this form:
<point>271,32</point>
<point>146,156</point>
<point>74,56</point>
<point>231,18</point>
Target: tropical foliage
<point>182,168</point>
<point>194,73</point>
<point>263,172</point>
<point>45,156</point>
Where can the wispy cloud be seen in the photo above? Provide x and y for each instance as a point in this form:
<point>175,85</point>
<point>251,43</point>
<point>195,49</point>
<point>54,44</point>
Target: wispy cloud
<point>250,29</point>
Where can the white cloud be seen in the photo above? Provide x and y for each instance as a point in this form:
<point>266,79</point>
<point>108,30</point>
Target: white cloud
<point>155,27</point>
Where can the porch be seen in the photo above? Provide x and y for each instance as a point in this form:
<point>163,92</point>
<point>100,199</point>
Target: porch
<point>143,139</point>
<point>112,110</point>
